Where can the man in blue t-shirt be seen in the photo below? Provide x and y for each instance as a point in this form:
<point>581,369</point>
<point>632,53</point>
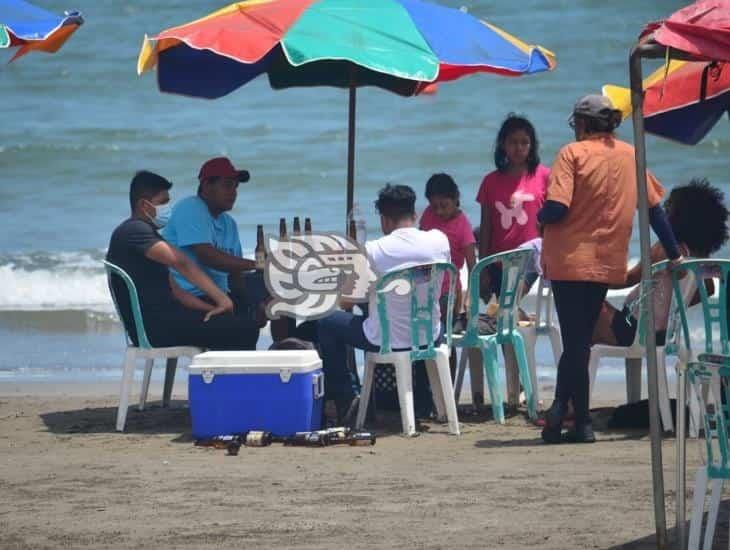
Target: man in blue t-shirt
<point>200,226</point>
<point>202,229</point>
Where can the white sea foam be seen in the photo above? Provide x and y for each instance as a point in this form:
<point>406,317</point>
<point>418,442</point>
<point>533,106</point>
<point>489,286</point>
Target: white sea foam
<point>65,280</point>
<point>52,289</point>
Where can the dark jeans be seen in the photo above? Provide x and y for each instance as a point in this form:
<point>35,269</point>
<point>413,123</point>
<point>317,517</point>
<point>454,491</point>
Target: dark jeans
<point>578,304</point>
<point>184,327</point>
<point>334,333</point>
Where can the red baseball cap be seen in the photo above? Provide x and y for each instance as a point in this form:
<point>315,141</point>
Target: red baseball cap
<point>222,167</point>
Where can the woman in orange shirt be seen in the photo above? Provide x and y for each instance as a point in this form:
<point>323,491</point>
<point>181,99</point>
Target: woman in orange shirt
<point>587,217</point>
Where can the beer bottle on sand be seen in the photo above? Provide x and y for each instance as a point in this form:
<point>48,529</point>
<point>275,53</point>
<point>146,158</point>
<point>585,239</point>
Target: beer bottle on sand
<point>307,226</point>
<point>282,228</point>
<point>258,439</point>
<point>296,228</point>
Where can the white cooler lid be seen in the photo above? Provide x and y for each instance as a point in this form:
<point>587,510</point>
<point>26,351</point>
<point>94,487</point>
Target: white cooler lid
<point>255,362</point>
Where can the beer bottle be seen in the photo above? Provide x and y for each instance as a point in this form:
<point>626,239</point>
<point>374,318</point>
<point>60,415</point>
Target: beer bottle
<point>336,436</point>
<point>260,251</point>
<point>296,228</point>
<point>282,228</point>
<point>306,439</point>
<point>352,230</point>
<point>361,439</point>
<point>307,226</point>
<point>217,442</point>
<point>258,439</point>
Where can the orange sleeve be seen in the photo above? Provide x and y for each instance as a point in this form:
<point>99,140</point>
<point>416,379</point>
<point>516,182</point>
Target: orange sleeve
<point>562,178</point>
<point>654,189</point>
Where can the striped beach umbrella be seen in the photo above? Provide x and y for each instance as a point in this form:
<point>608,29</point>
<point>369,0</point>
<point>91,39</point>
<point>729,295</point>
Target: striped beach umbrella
<point>30,28</point>
<point>398,45</point>
<point>683,100</point>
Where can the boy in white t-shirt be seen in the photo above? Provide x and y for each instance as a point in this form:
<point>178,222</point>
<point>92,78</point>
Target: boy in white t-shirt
<point>404,245</point>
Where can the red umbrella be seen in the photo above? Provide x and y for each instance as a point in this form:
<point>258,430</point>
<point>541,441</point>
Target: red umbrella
<point>701,29</point>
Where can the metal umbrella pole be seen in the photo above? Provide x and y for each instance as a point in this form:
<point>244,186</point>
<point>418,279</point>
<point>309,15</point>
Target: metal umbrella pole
<point>352,111</point>
<point>637,104</point>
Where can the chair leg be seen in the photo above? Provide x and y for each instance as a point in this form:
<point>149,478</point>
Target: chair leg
<point>369,377</point>
<point>404,381</point>
<point>489,361</point>
<point>436,390</point>
<point>518,345</point>
<point>444,383</point>
<point>556,343</point>
<point>511,375</point>
<point>698,508</point>
<point>130,360</point>
<point>665,407</point>
<point>633,379</point>
<point>712,513</point>
<point>170,369</point>
<point>476,374</point>
<point>530,340</point>
<point>695,414</point>
<point>148,364</point>
<point>460,370</point>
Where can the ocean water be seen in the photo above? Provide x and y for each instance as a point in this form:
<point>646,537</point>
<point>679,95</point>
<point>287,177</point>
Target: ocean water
<point>76,125</point>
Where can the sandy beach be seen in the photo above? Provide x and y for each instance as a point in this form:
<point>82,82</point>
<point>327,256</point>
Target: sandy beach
<point>69,481</point>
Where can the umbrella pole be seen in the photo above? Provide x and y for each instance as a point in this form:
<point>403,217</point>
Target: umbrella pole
<point>351,146</point>
<point>637,103</point>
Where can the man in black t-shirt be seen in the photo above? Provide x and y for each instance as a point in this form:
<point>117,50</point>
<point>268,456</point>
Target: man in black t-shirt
<point>172,316</point>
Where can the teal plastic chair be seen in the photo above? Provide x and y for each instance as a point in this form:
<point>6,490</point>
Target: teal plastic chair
<point>710,379</point>
<point>514,264</point>
<point>144,350</point>
<point>713,348</point>
<point>422,286</point>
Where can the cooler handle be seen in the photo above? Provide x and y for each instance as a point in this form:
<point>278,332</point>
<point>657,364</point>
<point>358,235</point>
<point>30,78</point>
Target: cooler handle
<point>318,385</point>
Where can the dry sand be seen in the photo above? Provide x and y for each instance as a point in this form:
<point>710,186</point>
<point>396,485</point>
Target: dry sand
<point>67,480</point>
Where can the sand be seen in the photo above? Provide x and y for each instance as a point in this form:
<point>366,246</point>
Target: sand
<point>68,480</point>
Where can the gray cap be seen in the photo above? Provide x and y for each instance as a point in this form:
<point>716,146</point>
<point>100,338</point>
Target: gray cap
<point>595,106</point>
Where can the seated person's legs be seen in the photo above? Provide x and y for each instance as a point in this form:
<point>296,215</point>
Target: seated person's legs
<point>184,327</point>
<point>335,332</point>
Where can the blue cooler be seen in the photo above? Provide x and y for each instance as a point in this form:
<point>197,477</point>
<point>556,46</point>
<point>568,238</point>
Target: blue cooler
<point>231,392</point>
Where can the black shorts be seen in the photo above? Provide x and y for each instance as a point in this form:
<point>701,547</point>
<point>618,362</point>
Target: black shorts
<point>624,326</point>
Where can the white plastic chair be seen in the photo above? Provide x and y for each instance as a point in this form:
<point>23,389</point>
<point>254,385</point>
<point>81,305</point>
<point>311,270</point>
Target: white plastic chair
<point>635,353</point>
<point>415,282</point>
<point>543,325</point>
<point>143,351</point>
<point>710,378</point>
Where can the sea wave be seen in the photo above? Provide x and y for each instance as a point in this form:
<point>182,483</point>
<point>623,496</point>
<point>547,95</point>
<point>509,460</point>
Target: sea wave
<point>59,280</point>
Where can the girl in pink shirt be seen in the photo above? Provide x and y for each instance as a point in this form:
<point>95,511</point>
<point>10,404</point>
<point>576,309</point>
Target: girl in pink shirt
<point>512,195</point>
<point>443,213</point>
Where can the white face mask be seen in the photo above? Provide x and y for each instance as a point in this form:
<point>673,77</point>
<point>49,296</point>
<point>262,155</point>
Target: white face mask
<point>162,214</point>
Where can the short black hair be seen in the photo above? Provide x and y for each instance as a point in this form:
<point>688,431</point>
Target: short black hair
<point>698,216</point>
<point>146,185</point>
<point>442,185</point>
<point>396,202</point>
<point>511,124</point>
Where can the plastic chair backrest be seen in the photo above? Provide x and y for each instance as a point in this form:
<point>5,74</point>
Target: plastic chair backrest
<point>514,264</point>
<point>544,306</point>
<point>115,270</point>
<point>673,335</point>
<point>711,380</point>
<point>408,281</point>
<point>714,308</point>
